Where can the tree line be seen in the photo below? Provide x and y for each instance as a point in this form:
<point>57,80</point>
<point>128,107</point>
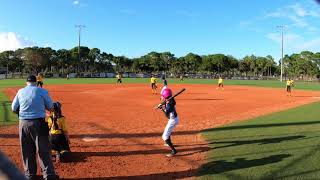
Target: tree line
<point>47,60</point>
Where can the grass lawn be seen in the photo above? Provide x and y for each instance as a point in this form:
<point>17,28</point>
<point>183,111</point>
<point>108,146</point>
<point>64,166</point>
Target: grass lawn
<point>283,145</point>
<point>260,83</point>
<point>6,116</point>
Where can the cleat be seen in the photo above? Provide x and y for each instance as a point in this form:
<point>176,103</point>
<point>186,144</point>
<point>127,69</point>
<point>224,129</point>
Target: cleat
<point>173,152</point>
<point>169,155</point>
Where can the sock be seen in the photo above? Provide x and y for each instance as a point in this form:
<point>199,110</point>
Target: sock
<point>168,141</point>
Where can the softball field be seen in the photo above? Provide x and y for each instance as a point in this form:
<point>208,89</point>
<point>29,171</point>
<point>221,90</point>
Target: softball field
<point>116,134</point>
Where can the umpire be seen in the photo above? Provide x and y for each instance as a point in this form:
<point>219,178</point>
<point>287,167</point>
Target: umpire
<point>31,103</point>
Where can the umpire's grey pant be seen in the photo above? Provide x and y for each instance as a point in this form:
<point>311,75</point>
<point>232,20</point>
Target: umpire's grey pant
<point>31,141</point>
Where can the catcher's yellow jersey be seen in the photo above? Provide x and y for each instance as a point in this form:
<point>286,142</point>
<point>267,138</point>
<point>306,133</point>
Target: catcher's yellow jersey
<point>220,81</point>
<point>153,80</point>
<point>61,126</point>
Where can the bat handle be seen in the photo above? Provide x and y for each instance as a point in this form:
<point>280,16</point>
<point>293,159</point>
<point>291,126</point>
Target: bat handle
<point>159,106</point>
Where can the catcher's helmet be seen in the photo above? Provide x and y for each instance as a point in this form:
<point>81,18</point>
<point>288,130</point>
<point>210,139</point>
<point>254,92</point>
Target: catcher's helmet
<point>57,108</point>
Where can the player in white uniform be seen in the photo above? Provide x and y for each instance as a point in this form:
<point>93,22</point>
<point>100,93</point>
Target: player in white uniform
<point>170,112</point>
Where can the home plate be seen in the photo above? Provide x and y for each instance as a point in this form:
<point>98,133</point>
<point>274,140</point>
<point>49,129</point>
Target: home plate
<point>90,139</point>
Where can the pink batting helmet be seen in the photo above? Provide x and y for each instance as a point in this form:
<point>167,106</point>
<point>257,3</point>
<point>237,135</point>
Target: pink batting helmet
<point>166,93</point>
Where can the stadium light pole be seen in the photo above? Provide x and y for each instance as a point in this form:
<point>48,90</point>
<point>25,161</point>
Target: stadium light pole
<point>79,27</point>
<point>281,75</point>
<point>21,65</point>
<point>7,71</point>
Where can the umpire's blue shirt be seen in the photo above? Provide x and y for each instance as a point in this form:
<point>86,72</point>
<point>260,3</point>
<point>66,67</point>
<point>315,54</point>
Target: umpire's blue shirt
<point>32,102</point>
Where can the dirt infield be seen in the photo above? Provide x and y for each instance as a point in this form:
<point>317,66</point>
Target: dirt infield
<point>115,133</point>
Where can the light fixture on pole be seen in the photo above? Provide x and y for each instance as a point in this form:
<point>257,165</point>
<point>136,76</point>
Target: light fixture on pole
<point>79,27</point>
<point>281,75</point>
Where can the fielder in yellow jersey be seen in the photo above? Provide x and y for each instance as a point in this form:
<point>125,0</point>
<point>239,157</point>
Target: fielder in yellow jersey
<point>181,78</point>
<point>119,78</point>
<point>153,82</point>
<point>290,84</point>
<point>220,83</point>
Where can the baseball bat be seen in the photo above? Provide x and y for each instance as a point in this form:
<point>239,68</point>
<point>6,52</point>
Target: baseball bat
<point>163,102</point>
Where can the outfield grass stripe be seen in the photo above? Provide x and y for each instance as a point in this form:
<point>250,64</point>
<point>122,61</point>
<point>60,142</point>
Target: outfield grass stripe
<point>267,147</point>
<point>6,115</point>
<point>257,83</point>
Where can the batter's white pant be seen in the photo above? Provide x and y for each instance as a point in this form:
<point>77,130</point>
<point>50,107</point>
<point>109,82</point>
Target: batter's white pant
<point>169,128</point>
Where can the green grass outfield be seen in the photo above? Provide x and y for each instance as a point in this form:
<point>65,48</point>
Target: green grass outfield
<point>260,83</point>
<point>283,145</point>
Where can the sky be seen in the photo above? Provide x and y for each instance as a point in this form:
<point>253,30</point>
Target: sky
<point>136,27</point>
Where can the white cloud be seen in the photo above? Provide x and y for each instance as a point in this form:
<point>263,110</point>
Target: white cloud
<point>314,14</point>
<point>311,45</point>
<point>76,2</point>
<point>294,43</point>
<point>12,41</point>
<point>296,14</point>
<point>275,14</point>
<point>47,45</point>
<point>299,10</point>
<point>295,10</point>
<point>287,38</point>
<point>299,22</point>
<point>80,4</point>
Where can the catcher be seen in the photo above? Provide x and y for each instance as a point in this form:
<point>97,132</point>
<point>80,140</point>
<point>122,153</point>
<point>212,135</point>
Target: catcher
<point>170,112</point>
<point>58,134</point>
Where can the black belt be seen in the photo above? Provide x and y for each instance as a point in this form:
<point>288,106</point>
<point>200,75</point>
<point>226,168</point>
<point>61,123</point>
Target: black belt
<point>36,119</point>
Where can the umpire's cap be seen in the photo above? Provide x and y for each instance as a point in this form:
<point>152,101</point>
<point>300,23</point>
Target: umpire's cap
<point>31,78</point>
